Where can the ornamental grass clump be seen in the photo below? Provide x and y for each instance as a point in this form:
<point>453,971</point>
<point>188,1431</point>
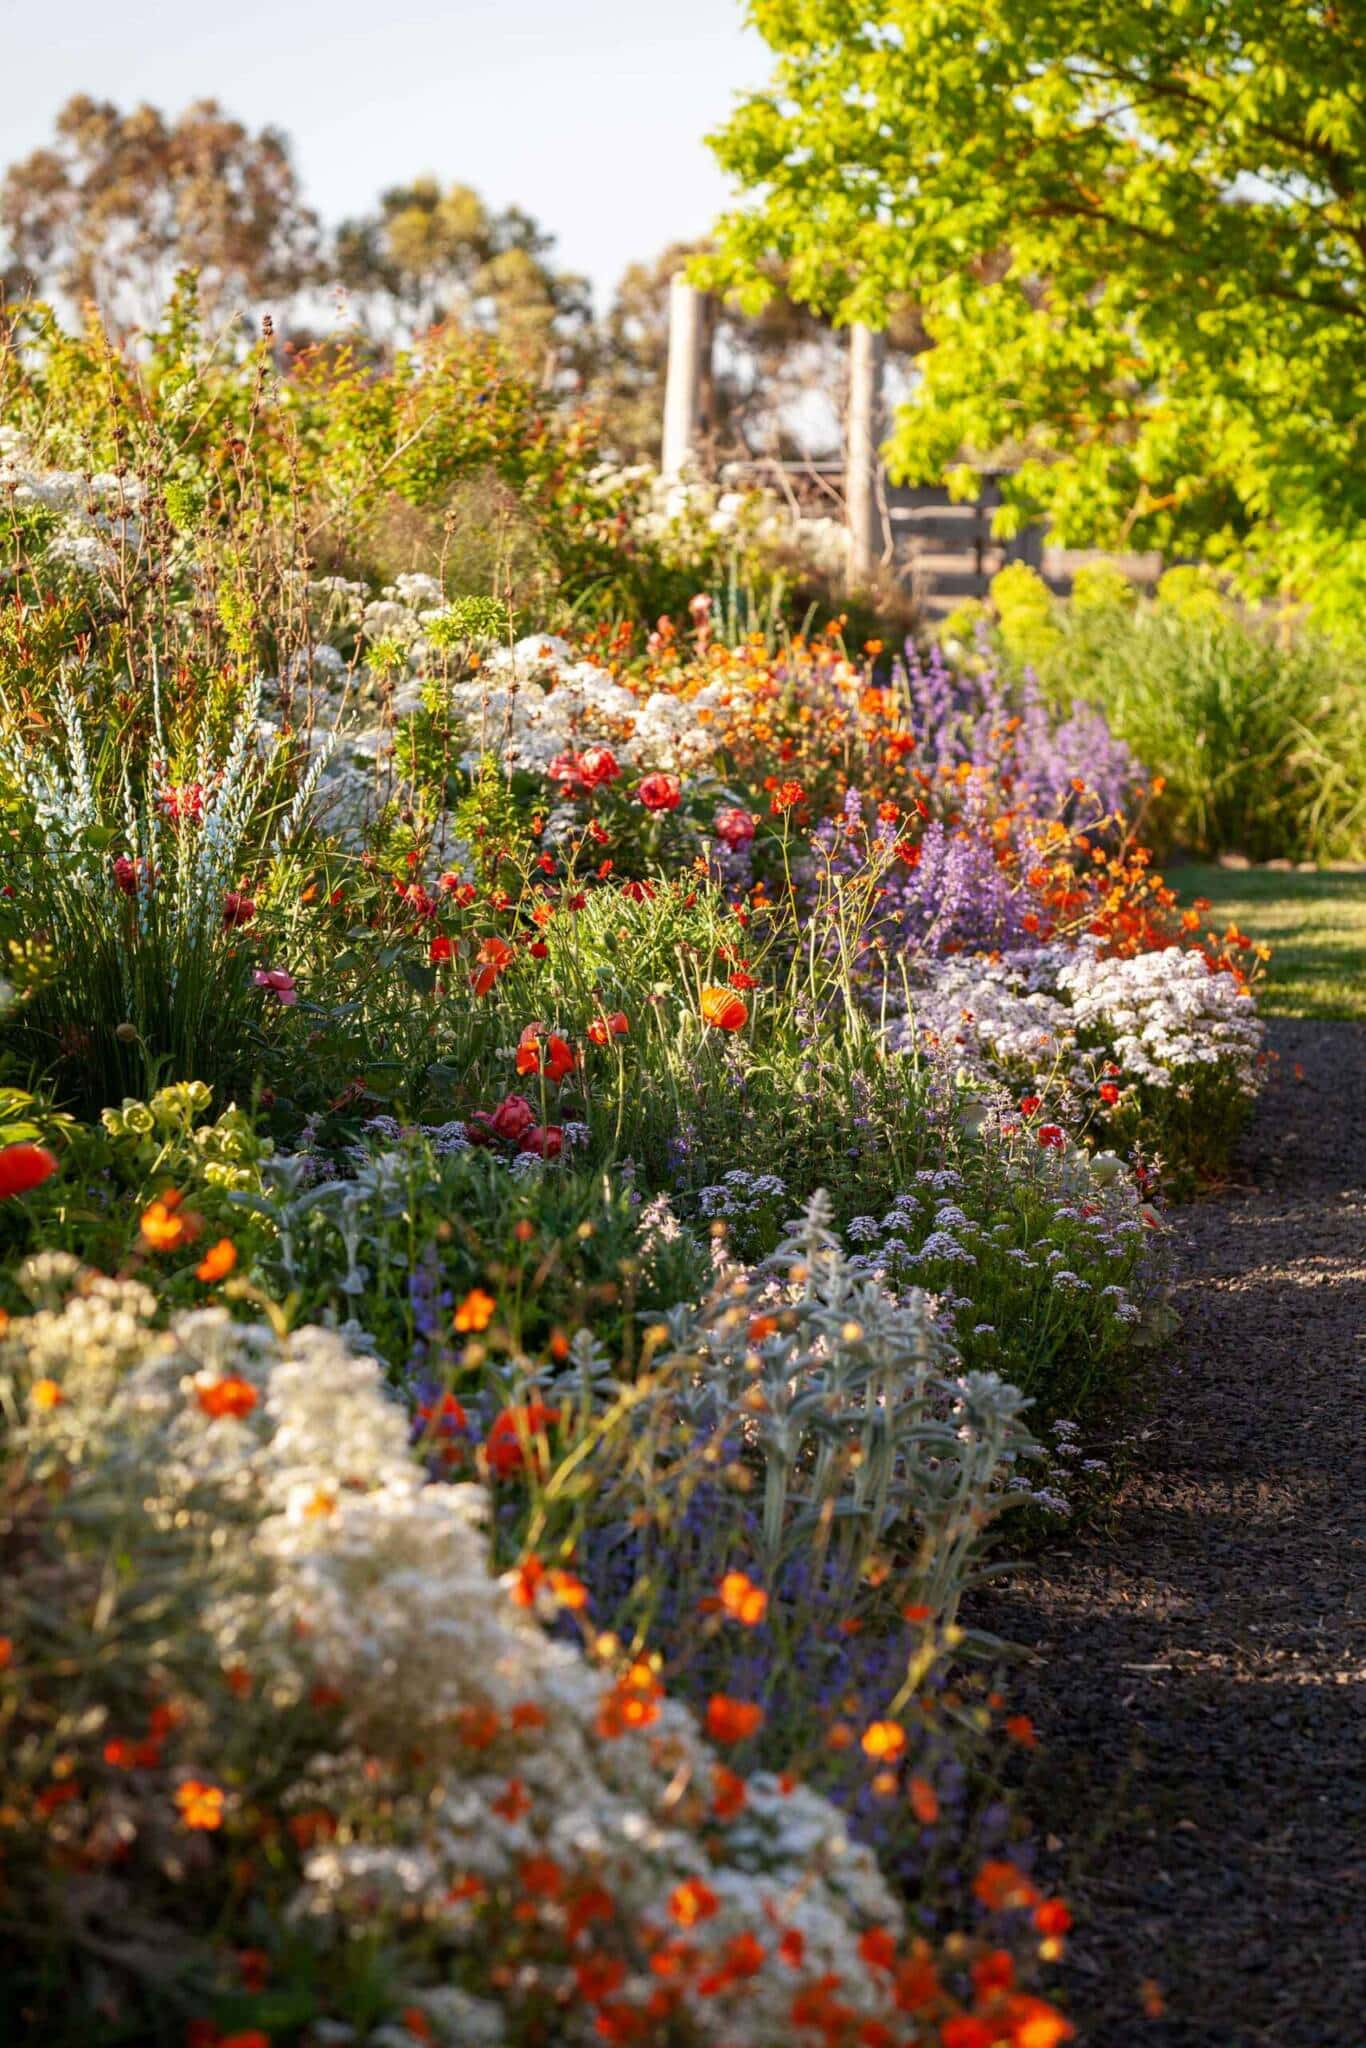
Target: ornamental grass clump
<point>283,1754</point>
<point>132,895</point>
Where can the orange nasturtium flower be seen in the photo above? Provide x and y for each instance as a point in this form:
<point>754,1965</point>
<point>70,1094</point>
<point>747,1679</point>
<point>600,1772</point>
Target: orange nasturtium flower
<point>883,1739</point>
<point>218,1261</point>
<point>723,1010</point>
<point>742,1599</point>
<point>475,1311</point>
<point>231,1395</point>
<point>731,1720</point>
<point>166,1225</point>
<point>201,1805</point>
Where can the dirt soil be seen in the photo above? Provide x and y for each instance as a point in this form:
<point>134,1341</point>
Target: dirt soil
<point>1200,1689</point>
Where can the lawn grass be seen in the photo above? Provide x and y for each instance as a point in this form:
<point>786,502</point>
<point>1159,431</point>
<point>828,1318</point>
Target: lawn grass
<point>1315,923</point>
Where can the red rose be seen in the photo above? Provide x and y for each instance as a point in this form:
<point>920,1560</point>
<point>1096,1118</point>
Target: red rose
<point>661,792</point>
<point>598,765</point>
<point>734,826</point>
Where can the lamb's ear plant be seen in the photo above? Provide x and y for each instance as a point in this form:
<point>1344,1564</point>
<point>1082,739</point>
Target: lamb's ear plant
<point>132,893</point>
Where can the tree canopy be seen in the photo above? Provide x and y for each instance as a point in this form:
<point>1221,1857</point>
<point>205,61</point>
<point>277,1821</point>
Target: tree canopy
<point>120,201</point>
<point>1136,233</point>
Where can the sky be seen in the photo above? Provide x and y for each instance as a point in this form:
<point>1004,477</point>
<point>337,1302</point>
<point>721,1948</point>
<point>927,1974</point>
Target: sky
<point>590,114</point>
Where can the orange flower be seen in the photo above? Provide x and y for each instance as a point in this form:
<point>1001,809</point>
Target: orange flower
<point>493,956</point>
<point>166,1225</point>
<point>46,1394</point>
<point>218,1261</point>
<point>571,1592</point>
<point>924,1802</point>
<point>631,1704</point>
<point>1020,1729</point>
<point>692,1901</point>
<point>201,1805</point>
<point>761,1327</point>
<point>723,1009</point>
<point>1036,2024</point>
<point>231,1395</point>
<point>728,1793</point>
<point>555,1059</point>
<point>884,1739</point>
<point>878,1948</point>
<point>530,1578</point>
<point>6,1652</point>
<point>731,1720</point>
<point>475,1311</point>
<point>1000,1885</point>
<point>604,1028</point>
<point>965,2030</point>
<point>1052,1918</point>
<point>742,1599</point>
<point>992,1972</point>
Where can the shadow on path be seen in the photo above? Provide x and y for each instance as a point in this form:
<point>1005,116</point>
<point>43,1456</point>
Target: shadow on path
<point>1202,1694</point>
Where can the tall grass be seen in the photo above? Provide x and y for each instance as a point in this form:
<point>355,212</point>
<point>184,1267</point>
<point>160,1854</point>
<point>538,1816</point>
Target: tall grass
<point>1257,726</point>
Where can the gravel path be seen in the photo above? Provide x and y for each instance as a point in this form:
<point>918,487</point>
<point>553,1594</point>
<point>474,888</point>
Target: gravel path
<point>1201,1694</point>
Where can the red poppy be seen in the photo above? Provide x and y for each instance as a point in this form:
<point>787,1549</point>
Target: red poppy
<point>547,1141</point>
<point>604,1028</point>
<point>1052,1136</point>
<point>24,1167</point>
<point>539,1053</point>
<point>493,956</point>
<point>237,909</point>
<point>510,1431</point>
<point>723,1009</point>
<point>439,950</point>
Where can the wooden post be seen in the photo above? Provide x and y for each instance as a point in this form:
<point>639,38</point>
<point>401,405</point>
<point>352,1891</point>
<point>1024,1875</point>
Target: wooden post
<point>683,386</point>
<point>863,435</point>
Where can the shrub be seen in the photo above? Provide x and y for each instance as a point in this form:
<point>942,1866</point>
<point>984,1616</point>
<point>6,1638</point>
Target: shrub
<point>1257,727</point>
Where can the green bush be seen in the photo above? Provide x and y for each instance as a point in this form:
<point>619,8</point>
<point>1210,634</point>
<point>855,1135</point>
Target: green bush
<point>1256,725</point>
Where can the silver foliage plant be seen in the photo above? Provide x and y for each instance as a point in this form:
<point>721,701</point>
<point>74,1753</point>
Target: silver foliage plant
<point>850,1408</point>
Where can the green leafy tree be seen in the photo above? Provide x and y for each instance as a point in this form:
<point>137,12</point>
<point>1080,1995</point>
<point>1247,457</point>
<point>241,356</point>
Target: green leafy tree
<point>1136,233</point>
<point>429,253</point>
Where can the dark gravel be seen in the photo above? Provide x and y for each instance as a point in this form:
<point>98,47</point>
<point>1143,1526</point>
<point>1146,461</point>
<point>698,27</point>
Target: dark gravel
<point>1200,1692</point>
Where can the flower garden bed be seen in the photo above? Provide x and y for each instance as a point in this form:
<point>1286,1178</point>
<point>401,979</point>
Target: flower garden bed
<point>577,1189</point>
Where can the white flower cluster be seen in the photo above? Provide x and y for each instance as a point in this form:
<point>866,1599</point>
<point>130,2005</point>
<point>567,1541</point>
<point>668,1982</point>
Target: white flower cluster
<point>677,513</point>
<point>94,511</point>
<point>1038,1013</point>
<point>1164,1014</point>
<point>984,1014</point>
<point>361,1575</point>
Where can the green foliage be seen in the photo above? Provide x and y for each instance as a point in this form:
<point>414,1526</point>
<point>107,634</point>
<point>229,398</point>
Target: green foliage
<point>1257,727</point>
<point>1135,235</point>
